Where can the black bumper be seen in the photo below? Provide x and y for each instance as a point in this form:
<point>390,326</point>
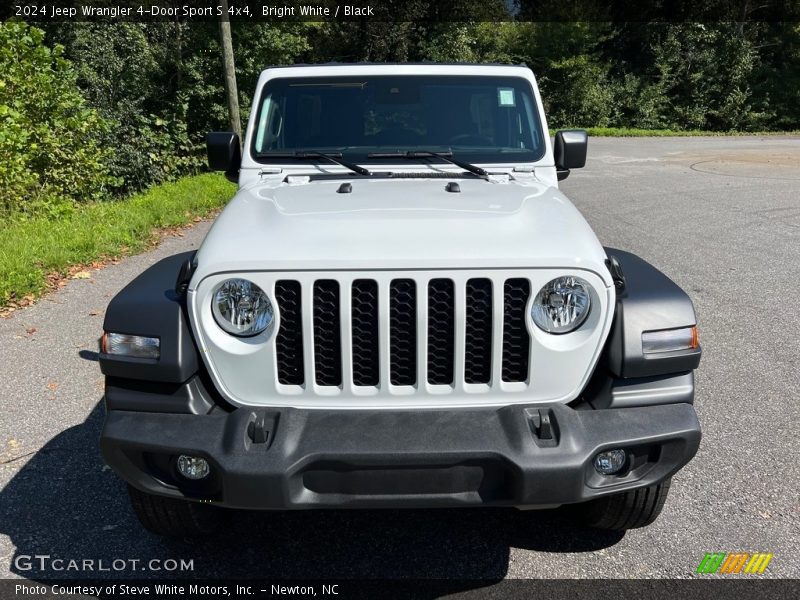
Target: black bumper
<point>379,458</point>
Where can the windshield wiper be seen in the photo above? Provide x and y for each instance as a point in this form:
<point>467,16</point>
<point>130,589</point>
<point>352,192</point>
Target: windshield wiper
<point>445,156</point>
<point>333,157</point>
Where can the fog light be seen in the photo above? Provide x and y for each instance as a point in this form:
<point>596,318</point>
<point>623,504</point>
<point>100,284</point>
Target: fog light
<point>193,467</point>
<point>609,462</point>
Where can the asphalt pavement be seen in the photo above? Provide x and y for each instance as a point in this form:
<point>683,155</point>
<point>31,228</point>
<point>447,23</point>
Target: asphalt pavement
<point>720,216</point>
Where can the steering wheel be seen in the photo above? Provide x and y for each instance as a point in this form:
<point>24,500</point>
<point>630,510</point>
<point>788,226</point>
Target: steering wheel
<point>469,139</point>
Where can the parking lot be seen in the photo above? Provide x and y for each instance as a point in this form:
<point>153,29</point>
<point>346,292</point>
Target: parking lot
<point>720,216</point>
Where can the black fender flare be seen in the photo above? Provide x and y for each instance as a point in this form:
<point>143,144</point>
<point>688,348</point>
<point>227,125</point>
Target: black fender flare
<point>647,300</point>
<point>150,306</point>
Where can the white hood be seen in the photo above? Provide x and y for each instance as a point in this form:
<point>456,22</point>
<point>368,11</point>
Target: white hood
<point>399,224</point>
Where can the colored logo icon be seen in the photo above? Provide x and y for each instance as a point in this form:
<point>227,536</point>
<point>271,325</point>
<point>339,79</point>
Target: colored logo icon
<point>735,562</point>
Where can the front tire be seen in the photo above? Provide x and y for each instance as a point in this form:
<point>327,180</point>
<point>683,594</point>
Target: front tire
<point>629,510</point>
<point>173,517</point>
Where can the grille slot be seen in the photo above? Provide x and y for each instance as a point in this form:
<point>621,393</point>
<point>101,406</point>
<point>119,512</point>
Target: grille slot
<point>403,332</point>
<point>366,352</point>
<point>516,339</point>
<point>478,332</point>
<point>289,339</point>
<point>327,339</point>
<point>441,331</point>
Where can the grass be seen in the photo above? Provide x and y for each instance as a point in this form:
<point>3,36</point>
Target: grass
<point>630,132</point>
<point>36,252</point>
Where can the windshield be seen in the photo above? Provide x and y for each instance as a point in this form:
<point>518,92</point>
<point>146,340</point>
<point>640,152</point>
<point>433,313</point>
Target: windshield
<point>478,118</point>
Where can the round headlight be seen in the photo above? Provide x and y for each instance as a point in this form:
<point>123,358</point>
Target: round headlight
<point>562,305</point>
<point>242,308</point>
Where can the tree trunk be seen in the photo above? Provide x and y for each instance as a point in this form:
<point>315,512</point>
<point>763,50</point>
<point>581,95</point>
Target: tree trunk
<point>743,12</point>
<point>229,71</point>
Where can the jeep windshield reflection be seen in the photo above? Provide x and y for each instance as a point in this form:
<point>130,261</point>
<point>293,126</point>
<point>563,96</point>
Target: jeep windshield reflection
<point>478,118</point>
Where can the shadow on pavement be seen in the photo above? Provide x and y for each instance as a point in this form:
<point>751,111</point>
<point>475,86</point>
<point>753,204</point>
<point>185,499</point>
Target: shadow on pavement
<point>65,503</point>
<point>89,355</point>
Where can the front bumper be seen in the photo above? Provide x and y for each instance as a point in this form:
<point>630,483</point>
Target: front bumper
<point>393,458</point>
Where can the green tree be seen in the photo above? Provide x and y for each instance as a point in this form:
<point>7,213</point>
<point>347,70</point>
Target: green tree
<point>704,71</point>
<point>776,77</point>
<point>51,153</point>
<point>160,86</point>
<point>255,46</point>
<point>414,30</point>
<point>126,72</point>
<point>573,76</point>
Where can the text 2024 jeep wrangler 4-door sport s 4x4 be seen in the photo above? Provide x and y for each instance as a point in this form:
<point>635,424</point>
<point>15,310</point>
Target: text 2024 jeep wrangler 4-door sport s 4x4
<point>399,308</point>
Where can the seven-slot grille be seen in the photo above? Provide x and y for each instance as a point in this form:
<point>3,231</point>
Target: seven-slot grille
<point>428,339</point>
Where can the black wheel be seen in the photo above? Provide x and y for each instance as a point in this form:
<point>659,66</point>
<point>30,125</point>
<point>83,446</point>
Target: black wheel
<point>629,510</point>
<point>172,517</point>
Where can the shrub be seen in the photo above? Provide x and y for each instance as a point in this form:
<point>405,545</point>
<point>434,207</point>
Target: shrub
<point>50,155</point>
<point>125,72</point>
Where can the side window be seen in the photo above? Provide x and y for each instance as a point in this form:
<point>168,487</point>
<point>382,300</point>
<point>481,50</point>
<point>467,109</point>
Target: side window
<point>269,135</point>
<point>261,126</point>
<point>533,140</point>
<point>275,125</point>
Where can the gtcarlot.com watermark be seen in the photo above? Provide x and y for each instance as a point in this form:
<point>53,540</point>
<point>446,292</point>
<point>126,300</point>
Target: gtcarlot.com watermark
<point>46,562</point>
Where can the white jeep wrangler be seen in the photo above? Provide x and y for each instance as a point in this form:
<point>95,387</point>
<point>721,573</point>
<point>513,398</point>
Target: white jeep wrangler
<point>399,309</point>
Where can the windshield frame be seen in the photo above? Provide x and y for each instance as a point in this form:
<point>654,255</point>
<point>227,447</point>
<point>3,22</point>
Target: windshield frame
<point>498,157</point>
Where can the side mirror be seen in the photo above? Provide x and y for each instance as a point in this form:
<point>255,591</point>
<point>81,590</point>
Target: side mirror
<point>569,150</point>
<point>224,153</point>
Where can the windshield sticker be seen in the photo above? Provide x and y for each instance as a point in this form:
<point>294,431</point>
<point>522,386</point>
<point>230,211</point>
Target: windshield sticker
<point>505,97</point>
